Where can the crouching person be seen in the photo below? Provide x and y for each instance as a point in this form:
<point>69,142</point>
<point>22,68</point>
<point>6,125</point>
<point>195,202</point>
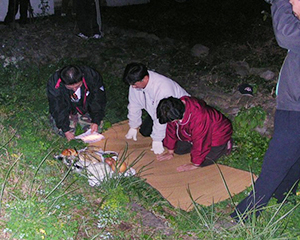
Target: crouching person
<point>76,94</point>
<point>195,127</point>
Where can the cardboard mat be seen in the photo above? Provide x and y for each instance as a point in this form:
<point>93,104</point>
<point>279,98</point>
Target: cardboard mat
<point>205,184</point>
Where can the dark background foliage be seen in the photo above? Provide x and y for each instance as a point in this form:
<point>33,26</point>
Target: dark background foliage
<point>208,21</point>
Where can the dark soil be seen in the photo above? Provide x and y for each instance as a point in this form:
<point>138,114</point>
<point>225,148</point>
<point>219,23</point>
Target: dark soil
<point>206,21</point>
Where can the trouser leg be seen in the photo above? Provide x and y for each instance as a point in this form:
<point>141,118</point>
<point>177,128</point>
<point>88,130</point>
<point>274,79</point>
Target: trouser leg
<point>82,16</point>
<point>289,183</point>
<point>146,127</point>
<point>183,147</point>
<point>86,17</point>
<point>283,153</point>
<point>73,118</point>
<point>11,11</point>
<point>212,157</point>
<point>23,11</point>
<point>64,6</point>
<point>94,23</point>
<point>214,154</point>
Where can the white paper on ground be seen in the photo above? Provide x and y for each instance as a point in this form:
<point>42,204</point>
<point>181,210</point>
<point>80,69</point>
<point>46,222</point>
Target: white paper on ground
<point>89,137</point>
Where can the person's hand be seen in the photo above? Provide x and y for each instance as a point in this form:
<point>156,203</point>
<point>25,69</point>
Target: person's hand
<point>94,127</point>
<point>69,135</point>
<point>165,156</point>
<point>186,167</point>
<point>132,134</point>
<point>157,147</point>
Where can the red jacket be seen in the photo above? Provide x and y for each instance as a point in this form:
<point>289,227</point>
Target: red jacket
<point>202,125</point>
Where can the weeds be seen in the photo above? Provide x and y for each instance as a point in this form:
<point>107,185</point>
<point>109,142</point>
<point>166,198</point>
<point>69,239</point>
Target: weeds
<point>41,198</point>
<point>249,146</point>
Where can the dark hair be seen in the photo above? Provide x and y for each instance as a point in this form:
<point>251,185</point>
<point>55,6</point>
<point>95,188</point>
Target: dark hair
<point>70,75</point>
<point>170,109</point>
<point>134,72</point>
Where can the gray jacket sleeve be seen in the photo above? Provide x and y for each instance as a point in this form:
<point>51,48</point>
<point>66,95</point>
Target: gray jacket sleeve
<point>286,26</point>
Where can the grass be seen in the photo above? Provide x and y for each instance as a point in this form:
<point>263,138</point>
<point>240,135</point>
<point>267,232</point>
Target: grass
<point>42,199</point>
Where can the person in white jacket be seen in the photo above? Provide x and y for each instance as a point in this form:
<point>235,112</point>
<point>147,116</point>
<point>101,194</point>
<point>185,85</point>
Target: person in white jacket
<point>146,90</point>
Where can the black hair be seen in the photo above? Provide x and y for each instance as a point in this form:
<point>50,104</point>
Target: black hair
<point>134,72</point>
<point>70,75</point>
<point>170,109</point>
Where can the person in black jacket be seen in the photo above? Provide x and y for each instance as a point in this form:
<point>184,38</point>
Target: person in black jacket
<point>75,90</point>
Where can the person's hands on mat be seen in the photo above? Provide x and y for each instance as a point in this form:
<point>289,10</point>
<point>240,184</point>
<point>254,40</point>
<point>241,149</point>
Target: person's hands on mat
<point>94,127</point>
<point>132,132</point>
<point>186,167</point>
<point>69,135</point>
<point>165,156</point>
<point>157,147</point>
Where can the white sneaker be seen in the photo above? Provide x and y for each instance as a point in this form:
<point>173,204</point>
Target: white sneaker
<point>97,36</point>
<point>81,35</point>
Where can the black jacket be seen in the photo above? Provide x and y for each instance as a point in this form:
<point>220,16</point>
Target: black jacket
<point>93,98</point>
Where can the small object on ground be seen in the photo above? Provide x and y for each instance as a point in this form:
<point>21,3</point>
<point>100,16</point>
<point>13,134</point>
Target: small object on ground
<point>120,167</point>
<point>225,224</point>
<point>97,36</point>
<point>81,35</point>
<point>89,137</point>
<point>246,89</point>
<point>69,152</point>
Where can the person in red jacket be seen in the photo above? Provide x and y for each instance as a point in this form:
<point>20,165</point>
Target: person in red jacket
<point>192,120</point>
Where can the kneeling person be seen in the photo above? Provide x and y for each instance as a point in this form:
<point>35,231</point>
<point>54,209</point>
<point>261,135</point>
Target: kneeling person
<point>76,94</point>
<point>146,89</point>
<point>192,122</point>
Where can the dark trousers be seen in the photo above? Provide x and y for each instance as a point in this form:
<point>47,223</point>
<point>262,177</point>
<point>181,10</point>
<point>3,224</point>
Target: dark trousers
<point>211,158</point>
<point>87,17</point>
<point>281,166</point>
<point>146,127</point>
<point>13,7</point>
<point>65,6</point>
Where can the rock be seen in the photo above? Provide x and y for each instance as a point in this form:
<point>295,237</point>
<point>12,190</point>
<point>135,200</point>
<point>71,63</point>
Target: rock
<point>147,36</point>
<point>267,75</point>
<point>263,73</point>
<point>150,220</point>
<point>199,50</point>
<point>241,68</point>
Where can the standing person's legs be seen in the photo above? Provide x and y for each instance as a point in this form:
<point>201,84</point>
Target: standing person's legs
<point>92,20</point>
<point>289,183</point>
<point>281,156</point>
<point>64,7</point>
<point>94,23</point>
<point>83,15</point>
<point>73,2</point>
<point>11,11</point>
<point>23,11</point>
